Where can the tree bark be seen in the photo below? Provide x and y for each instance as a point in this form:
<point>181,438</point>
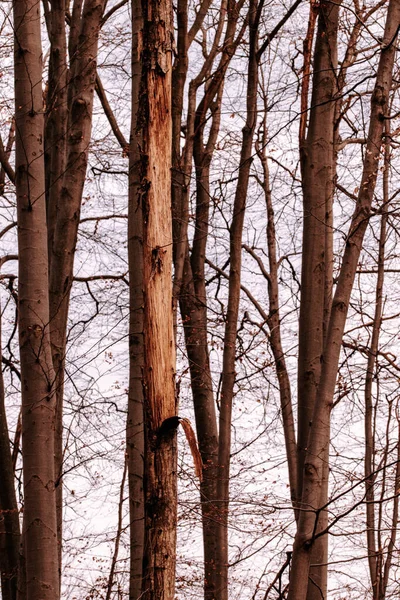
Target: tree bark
<point>153,131</point>
<point>274,322</point>
<point>68,148</point>
<point>229,354</point>
<point>189,276</point>
<point>317,168</point>
<point>9,518</point>
<point>320,428</point>
<point>134,430</point>
<point>375,558</point>
<point>37,373</point>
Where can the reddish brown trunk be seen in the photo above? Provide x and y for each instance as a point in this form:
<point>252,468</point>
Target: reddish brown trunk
<point>317,163</point>
<point>154,195</point>
<point>37,373</point>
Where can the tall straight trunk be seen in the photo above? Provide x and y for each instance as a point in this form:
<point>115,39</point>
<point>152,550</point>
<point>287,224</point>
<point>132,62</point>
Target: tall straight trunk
<point>189,277</point>
<point>134,430</point>
<point>55,159</point>
<point>314,463</point>
<point>274,322</point>
<point>317,163</point>
<point>229,354</point>
<point>153,131</point>
<point>194,314</point>
<point>37,373</point>
<point>9,523</point>
<point>68,142</point>
<point>375,573</point>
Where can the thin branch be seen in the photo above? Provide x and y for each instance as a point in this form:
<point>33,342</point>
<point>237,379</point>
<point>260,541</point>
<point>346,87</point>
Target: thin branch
<point>110,115</point>
<point>113,10</point>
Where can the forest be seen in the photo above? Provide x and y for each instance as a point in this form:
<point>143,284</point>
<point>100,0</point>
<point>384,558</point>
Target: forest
<point>200,305</point>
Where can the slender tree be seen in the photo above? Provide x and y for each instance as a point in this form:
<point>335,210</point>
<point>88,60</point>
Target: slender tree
<point>317,168</point>
<point>319,436</point>
<point>9,522</point>
<point>37,373</point>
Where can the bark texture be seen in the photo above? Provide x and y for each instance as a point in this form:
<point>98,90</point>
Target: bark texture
<point>189,275</point>
<point>37,373</point>
<point>229,354</point>
<point>67,139</point>
<point>134,430</point>
<point>317,168</point>
<point>320,429</point>
<point>153,131</point>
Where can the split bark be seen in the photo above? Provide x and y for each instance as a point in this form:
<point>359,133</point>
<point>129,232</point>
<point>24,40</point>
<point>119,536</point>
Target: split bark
<point>153,144</point>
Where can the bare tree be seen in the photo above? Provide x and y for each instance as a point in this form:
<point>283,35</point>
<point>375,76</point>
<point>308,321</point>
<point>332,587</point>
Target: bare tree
<point>319,431</point>
<point>37,373</point>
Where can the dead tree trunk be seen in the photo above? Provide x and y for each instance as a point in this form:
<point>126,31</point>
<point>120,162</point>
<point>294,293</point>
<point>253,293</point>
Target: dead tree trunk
<point>153,142</point>
<point>37,373</point>
<point>320,429</point>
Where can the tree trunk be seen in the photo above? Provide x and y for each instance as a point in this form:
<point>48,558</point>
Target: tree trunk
<point>153,140</point>
<point>55,159</point>
<point>376,573</point>
<point>229,354</point>
<point>9,518</point>
<point>37,373</point>
<point>320,429</point>
<point>274,321</point>
<point>66,170</point>
<point>317,162</point>
<point>134,430</point>
<point>189,276</point>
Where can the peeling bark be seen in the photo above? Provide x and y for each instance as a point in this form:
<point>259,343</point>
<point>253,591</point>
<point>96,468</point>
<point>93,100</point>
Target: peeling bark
<point>153,141</point>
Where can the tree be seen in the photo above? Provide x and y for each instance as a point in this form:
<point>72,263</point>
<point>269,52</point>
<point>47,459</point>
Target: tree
<point>319,432</point>
<point>37,372</point>
<point>152,375</point>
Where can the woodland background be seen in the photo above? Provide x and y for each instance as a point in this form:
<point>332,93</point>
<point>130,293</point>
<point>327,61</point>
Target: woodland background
<point>246,215</point>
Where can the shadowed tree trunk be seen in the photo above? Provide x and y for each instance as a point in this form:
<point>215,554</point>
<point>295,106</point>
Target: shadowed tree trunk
<point>134,430</point>
<point>9,518</point>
